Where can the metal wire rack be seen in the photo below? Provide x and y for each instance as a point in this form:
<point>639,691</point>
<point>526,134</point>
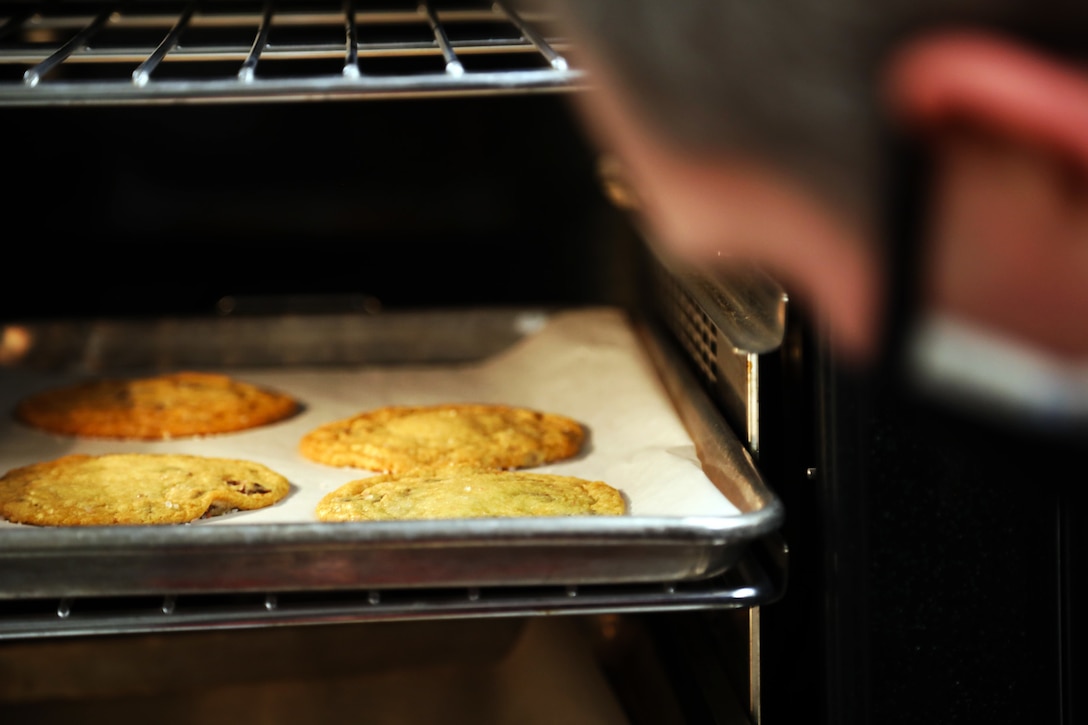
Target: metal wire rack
<point>171,51</point>
<point>746,585</point>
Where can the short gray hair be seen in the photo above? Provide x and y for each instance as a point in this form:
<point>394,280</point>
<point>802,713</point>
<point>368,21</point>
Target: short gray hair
<point>790,81</point>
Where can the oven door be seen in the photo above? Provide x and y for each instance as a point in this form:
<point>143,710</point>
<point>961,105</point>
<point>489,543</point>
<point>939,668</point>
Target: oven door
<point>327,183</point>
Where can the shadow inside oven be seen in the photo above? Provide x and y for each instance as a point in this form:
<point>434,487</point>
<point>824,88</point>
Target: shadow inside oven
<point>570,669</point>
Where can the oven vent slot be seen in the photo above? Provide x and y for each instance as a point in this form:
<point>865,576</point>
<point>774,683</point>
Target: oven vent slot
<point>693,328</point>
<point>723,326</point>
<point>109,52</point>
<point>745,585</point>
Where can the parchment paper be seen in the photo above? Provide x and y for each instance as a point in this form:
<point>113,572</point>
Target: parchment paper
<point>586,364</point>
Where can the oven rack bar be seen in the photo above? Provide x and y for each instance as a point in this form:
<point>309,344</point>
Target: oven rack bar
<point>111,52</point>
<point>745,585</point>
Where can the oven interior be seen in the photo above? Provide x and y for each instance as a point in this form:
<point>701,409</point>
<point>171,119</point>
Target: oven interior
<point>235,160</point>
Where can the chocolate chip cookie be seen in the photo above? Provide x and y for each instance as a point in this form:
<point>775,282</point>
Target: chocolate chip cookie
<point>468,493</point>
<point>135,488</point>
<point>170,405</point>
<point>397,439</point>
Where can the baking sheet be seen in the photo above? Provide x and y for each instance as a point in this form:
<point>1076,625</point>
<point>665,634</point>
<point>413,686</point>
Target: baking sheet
<point>588,364</point>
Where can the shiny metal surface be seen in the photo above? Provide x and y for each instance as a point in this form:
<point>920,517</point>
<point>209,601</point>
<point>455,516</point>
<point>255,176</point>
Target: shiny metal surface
<point>400,569</point>
<point>90,52</point>
<point>747,585</point>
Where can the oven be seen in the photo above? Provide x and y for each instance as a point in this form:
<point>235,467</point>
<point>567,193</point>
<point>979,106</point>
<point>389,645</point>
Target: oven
<point>319,188</point>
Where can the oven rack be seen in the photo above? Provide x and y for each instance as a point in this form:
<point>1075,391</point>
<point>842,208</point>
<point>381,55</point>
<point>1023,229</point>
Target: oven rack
<point>112,52</point>
<point>750,582</point>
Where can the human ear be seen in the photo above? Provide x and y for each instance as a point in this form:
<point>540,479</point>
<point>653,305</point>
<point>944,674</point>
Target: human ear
<point>1002,293</point>
<point>1006,244</point>
<point>994,82</point>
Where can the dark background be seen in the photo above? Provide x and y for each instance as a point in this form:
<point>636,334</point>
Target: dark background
<point>162,210</point>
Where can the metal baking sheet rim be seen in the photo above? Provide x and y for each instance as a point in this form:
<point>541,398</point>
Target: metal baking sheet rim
<point>139,560</point>
<point>290,557</point>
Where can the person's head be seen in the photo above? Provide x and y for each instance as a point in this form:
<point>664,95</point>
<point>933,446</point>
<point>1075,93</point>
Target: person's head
<point>757,130</point>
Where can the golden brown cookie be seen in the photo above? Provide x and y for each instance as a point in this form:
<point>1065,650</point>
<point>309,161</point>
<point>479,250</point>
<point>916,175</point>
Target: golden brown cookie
<point>135,488</point>
<point>171,405</point>
<point>397,439</point>
<point>451,493</point>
